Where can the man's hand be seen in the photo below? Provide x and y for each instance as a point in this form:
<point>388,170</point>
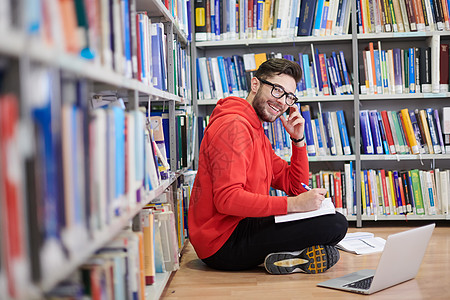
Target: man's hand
<point>295,124</point>
<point>308,201</point>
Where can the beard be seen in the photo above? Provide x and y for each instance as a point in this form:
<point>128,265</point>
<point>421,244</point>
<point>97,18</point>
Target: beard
<point>262,109</point>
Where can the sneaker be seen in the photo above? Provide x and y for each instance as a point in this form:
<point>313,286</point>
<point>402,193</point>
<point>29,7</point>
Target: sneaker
<point>311,260</point>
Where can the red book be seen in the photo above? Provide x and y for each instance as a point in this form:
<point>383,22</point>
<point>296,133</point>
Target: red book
<point>387,129</point>
<point>250,17</point>
<point>402,191</point>
<point>338,190</point>
<point>382,174</point>
<point>323,73</point>
<point>11,199</point>
<point>139,49</point>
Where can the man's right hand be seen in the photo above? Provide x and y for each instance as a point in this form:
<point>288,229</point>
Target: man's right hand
<point>307,201</point>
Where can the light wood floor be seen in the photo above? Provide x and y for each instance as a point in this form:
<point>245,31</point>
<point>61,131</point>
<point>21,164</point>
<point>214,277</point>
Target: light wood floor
<point>195,280</point>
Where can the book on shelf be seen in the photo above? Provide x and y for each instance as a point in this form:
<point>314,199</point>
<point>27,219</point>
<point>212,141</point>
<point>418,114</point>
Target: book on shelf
<point>326,208</point>
<point>269,19</point>
<point>361,243</point>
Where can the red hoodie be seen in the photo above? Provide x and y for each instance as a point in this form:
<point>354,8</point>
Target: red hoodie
<point>237,167</point>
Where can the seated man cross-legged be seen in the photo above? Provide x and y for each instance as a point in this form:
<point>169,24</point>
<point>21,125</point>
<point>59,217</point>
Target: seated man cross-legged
<point>231,212</point>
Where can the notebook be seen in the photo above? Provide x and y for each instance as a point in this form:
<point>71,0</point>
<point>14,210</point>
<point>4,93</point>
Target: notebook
<point>399,262</point>
<point>327,207</point>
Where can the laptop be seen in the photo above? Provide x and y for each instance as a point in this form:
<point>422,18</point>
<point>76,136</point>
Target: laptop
<point>399,262</point>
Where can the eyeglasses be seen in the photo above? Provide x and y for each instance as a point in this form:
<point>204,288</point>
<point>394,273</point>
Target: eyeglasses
<point>278,92</point>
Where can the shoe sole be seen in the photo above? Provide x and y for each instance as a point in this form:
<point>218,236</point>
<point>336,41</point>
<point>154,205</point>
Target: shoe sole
<point>311,260</point>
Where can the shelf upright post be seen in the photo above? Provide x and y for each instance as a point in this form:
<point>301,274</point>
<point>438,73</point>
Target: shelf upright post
<point>356,104</point>
<point>171,89</point>
<point>193,52</point>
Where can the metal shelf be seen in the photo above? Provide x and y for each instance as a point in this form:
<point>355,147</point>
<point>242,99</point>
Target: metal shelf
<point>403,96</point>
<point>274,41</point>
<point>101,238</point>
<point>331,158</point>
<point>399,157</point>
<point>156,9</point>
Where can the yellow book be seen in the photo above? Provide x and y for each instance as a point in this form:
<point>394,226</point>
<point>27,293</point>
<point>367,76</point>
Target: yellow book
<point>259,59</point>
<point>266,17</point>
<point>149,258</point>
<point>363,193</point>
<point>409,131</point>
<point>426,130</point>
<point>393,197</point>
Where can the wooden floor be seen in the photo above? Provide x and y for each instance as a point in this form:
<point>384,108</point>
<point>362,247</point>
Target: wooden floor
<point>195,280</point>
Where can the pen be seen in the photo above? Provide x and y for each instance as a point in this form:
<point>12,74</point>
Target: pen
<point>305,186</point>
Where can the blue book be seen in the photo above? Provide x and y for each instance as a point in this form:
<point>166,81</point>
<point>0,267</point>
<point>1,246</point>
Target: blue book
<point>378,71</point>
<point>318,17</point>
<point>412,73</point>
<point>331,143</point>
<point>259,18</point>
<point>305,24</point>
<point>157,58</point>
<point>126,38</point>
<point>346,73</point>
<point>217,21</point>
<point>335,73</point>
<point>232,89</point>
<point>417,133</point>
<point>119,143</point>
<point>366,133</point>
<point>331,77</point>
<point>306,74</point>
<point>234,80</point>
<point>383,134</point>
<point>338,68</point>
<point>376,135</point>
<point>199,82</point>
<point>317,72</point>
<point>306,114</point>
<point>223,76</point>
<point>142,43</point>
<point>433,131</point>
<point>343,132</point>
<point>302,82</point>
<point>320,139</point>
<point>323,18</point>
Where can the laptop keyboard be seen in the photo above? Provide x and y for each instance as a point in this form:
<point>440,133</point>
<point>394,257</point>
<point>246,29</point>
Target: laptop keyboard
<point>363,284</point>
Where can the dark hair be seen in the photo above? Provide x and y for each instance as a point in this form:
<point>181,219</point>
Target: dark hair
<point>277,66</point>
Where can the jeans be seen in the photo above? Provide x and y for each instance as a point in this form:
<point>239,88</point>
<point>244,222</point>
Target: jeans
<point>255,238</point>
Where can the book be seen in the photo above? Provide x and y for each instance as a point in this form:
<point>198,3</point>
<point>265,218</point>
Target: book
<point>361,243</point>
<point>326,208</point>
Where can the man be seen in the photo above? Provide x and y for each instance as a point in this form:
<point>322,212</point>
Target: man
<point>231,214</point>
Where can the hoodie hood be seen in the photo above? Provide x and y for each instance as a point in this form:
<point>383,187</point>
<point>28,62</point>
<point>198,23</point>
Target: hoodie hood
<point>238,106</point>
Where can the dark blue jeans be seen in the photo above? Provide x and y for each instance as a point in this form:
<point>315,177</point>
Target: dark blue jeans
<point>255,238</point>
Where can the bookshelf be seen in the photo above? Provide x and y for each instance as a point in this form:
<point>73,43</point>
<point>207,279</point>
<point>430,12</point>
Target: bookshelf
<point>351,44</point>
<point>85,83</point>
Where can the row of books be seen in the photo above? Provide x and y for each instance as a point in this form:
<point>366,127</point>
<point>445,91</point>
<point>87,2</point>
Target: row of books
<point>129,43</point>
<point>126,265</point>
<point>325,135</point>
<point>82,171</point>
<point>185,133</point>
<point>418,192</point>
<point>404,132</point>
<point>402,15</point>
<point>410,70</point>
<point>256,19</point>
<point>386,192</point>
<point>219,77</point>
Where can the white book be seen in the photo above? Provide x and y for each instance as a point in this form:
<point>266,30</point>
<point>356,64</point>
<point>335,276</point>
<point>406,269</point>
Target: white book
<point>336,133</point>
<point>444,183</point>
<point>361,243</point>
<point>216,76</point>
<point>204,77</point>
<point>434,43</point>
<point>348,188</point>
<point>326,208</point>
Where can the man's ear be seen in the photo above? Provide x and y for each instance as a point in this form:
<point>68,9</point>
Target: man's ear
<point>255,84</point>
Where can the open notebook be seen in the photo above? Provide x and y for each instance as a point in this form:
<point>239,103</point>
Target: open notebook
<point>326,208</point>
